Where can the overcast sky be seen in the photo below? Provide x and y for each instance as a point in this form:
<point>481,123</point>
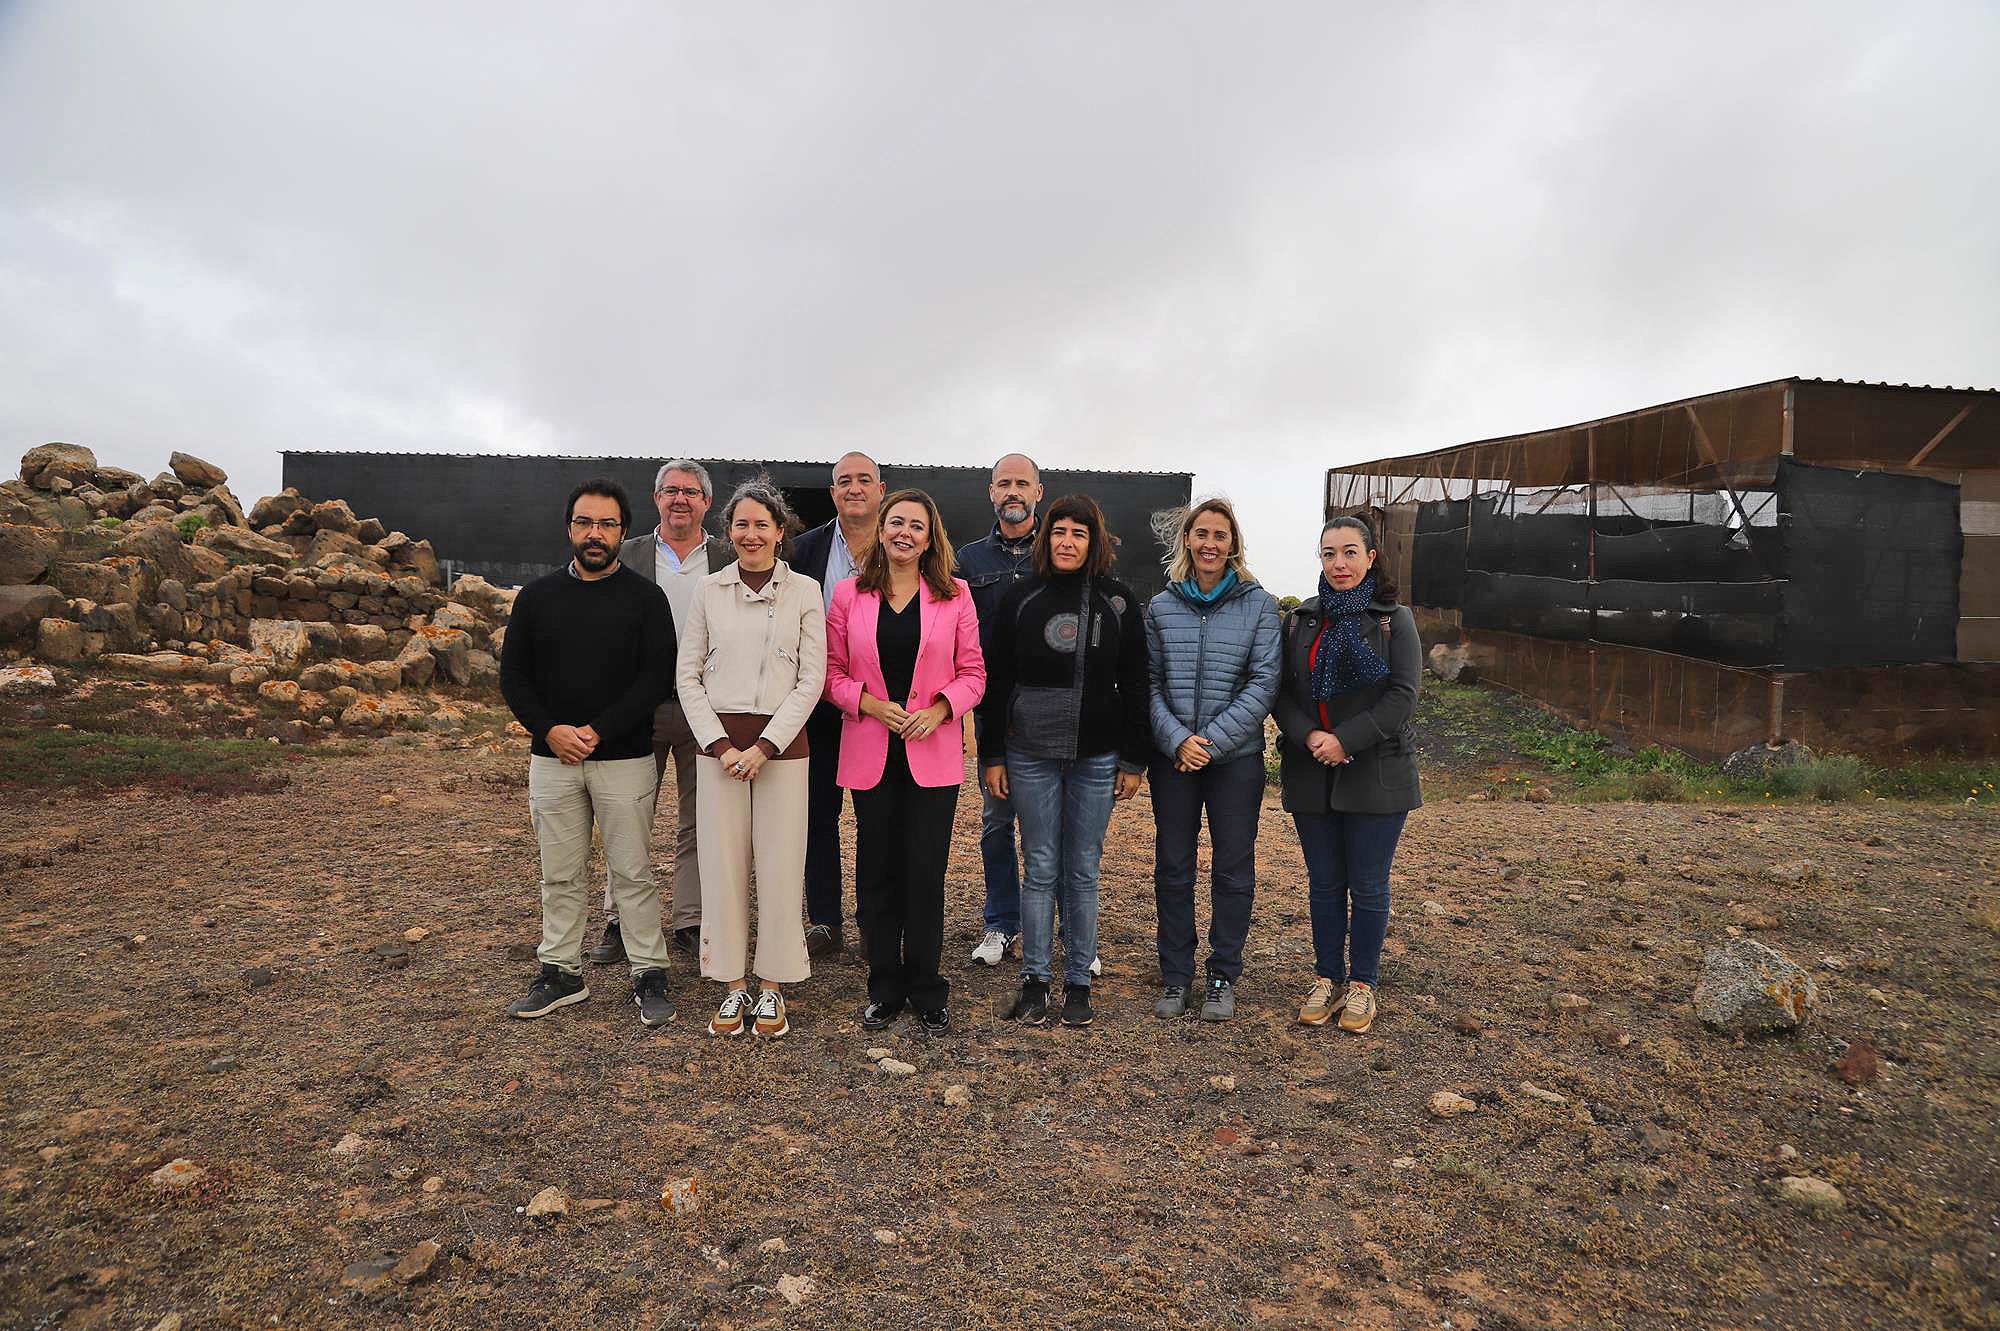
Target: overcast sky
<point>1244,240</point>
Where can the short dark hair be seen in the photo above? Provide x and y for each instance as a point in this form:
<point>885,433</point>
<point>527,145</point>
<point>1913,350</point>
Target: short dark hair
<point>1081,509</point>
<point>1385,582</point>
<point>603,488</point>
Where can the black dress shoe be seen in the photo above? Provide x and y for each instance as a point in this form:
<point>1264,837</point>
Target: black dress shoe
<point>937,1021</point>
<point>610,949</point>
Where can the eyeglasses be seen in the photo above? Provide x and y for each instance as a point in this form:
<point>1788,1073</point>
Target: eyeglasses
<point>678,491</point>
<point>581,525</point>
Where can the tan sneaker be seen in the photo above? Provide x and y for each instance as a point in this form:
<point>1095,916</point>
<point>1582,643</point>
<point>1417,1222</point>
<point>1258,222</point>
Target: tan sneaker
<point>770,1015</point>
<point>1357,1009</point>
<point>728,1019</point>
<point>1321,1003</point>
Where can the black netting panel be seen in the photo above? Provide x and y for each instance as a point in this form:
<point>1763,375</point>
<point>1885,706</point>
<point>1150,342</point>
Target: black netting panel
<point>1546,545</point>
<point>1684,553</point>
<point>1732,622</point>
<point>1873,560</point>
<point>1437,555</point>
<point>1540,607</point>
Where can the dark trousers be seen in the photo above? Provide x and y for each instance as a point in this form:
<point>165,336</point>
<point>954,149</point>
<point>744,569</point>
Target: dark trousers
<point>823,792</point>
<point>1233,793</point>
<point>902,839</point>
<point>1347,888</point>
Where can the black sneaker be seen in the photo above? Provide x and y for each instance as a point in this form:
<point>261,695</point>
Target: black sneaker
<point>877,1016</point>
<point>1076,1005</point>
<point>688,941</point>
<point>1031,1005</point>
<point>649,991</point>
<point>610,949</point>
<point>824,940</point>
<point>553,988</point>
<point>937,1021</point>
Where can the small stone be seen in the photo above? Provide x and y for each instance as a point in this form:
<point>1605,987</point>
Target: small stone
<point>417,1262</point>
<point>1832,963</point>
<point>795,1290</point>
<point>1567,1002</point>
<point>895,1067</point>
<point>1432,908</point>
<point>1814,1196</point>
<point>351,1144</point>
<point>771,1247</point>
<point>1381,1063</point>
<point>877,1053</point>
<point>1510,873</point>
<point>682,1196</point>
<point>957,1096</point>
<point>1540,795</point>
<point>1574,898</point>
<point>885,1236</point>
<point>1859,1066</point>
<point>416,934</point>
<point>1876,995</point>
<point>435,1183</point>
<point>1403,1162</point>
<point>1792,872</point>
<point>177,1175</point>
<point>1467,1024</point>
<point>549,1202</point>
<point>1450,1104</point>
<point>257,977</point>
<point>1477,797</point>
<point>49,1153</point>
<point>1749,989</point>
<point>1788,1152</point>
<point>171,1322</point>
<point>223,1065</point>
<point>369,1277</point>
<point>1224,1084</point>
<point>1534,1092</point>
<point>1752,916</point>
<point>387,801</point>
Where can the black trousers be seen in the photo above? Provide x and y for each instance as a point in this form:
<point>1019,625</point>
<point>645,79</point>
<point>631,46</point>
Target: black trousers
<point>1233,793</point>
<point>823,792</point>
<point>902,840</point>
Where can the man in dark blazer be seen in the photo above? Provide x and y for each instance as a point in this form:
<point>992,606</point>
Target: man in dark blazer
<point>674,556</point>
<point>828,554</point>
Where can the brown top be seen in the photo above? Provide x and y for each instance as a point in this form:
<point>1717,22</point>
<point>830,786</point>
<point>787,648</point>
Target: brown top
<point>740,730</point>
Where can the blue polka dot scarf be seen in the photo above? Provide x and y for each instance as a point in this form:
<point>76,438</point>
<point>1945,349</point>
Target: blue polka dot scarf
<point>1346,662</point>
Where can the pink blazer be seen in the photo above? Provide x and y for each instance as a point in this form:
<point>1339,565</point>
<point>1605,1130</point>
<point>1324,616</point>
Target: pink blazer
<point>949,666</point>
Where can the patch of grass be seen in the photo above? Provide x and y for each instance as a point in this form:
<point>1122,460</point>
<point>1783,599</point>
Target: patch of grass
<point>188,525</point>
<point>69,760</point>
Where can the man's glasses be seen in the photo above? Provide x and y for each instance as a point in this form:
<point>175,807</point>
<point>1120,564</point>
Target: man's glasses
<point>582,525</point>
<point>678,491</point>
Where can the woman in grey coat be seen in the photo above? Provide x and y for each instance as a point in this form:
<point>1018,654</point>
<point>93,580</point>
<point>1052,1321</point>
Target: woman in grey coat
<point>1349,764</point>
<point>1212,656</point>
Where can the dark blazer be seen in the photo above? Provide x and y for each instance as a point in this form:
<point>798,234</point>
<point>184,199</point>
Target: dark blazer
<point>641,553</point>
<point>1372,724</point>
<point>811,550</point>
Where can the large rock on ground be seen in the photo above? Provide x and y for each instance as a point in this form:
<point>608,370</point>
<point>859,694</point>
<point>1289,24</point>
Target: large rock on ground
<point>1758,759</point>
<point>496,603</point>
<point>195,473</point>
<point>284,640</point>
<point>414,556</point>
<point>160,545</point>
<point>1750,989</point>
<point>27,679</point>
<point>37,461</point>
<point>450,648</point>
<point>163,666</point>
<point>60,641</point>
<point>21,505</point>
<point>25,553</point>
<point>1452,663</point>
<point>276,508</point>
<point>22,608</point>
<point>416,662</point>
<point>334,515</point>
<point>243,545</point>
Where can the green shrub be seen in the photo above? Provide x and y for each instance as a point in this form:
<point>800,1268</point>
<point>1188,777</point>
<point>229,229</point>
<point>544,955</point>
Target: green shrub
<point>108,521</point>
<point>1658,787</point>
<point>1839,776</point>
<point>188,525</point>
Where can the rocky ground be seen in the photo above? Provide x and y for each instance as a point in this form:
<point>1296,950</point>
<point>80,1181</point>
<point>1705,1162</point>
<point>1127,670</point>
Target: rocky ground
<point>296,989</point>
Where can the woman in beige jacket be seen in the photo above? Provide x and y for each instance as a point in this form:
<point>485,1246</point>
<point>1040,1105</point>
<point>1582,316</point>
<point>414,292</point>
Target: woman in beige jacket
<point>752,663</point>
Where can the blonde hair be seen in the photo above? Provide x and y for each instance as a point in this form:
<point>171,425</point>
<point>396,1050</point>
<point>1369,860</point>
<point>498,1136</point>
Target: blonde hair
<point>1180,566</point>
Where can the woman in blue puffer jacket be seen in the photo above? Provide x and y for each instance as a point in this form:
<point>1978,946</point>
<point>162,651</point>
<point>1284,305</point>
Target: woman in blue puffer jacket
<point>1213,644</point>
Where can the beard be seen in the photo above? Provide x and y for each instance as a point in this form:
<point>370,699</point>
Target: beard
<point>594,555</point>
<point>1013,510</point>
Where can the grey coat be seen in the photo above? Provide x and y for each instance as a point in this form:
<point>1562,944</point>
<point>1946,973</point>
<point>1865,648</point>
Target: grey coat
<point>1213,668</point>
<point>641,553</point>
<point>1372,724</point>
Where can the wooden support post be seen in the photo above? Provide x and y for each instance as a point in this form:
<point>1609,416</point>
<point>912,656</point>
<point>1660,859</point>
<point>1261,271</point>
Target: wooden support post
<point>1777,719</point>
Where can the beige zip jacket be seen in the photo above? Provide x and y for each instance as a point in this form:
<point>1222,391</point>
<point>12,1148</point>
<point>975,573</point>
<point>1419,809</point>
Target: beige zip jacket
<point>761,652</point>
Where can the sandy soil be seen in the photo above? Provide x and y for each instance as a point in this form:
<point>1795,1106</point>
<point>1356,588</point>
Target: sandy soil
<point>358,1104</point>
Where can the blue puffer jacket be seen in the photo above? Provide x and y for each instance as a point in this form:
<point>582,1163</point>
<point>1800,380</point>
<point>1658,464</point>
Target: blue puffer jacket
<point>1214,668</point>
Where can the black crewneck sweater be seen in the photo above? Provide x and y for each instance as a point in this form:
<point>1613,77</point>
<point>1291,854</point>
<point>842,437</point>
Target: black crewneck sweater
<point>596,652</point>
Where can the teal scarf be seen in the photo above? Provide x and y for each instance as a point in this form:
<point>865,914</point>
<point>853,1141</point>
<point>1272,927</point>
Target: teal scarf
<point>1192,589</point>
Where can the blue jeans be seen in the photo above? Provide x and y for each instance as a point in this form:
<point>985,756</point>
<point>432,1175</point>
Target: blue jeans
<point>1003,871</point>
<point>1347,878</point>
<point>1064,806</point>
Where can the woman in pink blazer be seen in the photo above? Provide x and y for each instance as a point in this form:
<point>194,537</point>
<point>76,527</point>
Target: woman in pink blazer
<point>904,668</point>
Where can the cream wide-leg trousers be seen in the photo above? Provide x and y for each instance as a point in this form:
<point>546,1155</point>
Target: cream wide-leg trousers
<point>741,824</point>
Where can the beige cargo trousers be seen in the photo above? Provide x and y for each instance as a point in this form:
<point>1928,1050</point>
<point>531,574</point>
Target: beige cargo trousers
<point>618,794</point>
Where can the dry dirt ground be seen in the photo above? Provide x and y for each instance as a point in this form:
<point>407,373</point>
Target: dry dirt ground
<point>357,1105</point>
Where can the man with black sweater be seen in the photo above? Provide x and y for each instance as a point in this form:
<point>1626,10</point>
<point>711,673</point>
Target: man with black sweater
<point>589,654</point>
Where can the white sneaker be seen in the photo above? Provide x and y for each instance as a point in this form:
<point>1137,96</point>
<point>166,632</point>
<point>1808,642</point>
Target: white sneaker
<point>1096,966</point>
<point>992,948</point>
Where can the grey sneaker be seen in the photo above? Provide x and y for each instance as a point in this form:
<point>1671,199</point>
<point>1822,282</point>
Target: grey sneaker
<point>1219,1004</point>
<point>1173,1002</point>
<point>649,991</point>
<point>554,987</point>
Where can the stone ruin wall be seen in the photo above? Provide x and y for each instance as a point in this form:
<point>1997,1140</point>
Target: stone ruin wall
<point>317,611</point>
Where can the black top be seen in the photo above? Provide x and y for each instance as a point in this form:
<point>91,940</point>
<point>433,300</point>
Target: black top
<point>1035,704</point>
<point>597,653</point>
<point>1372,724</point>
<point>897,633</point>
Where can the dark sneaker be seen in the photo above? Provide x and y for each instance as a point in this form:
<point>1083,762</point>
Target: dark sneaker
<point>937,1021</point>
<point>1031,1005</point>
<point>1219,1004</point>
<point>687,941</point>
<point>649,991</point>
<point>1076,1005</point>
<point>553,988</point>
<point>877,1016</point>
<point>823,940</point>
<point>610,949</point>
<point>1173,1002</point>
